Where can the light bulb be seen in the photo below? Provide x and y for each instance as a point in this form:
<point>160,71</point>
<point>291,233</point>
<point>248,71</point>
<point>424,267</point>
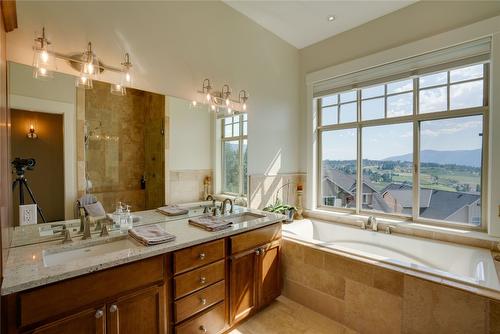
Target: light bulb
<point>229,111</point>
<point>90,68</point>
<point>83,79</point>
<point>244,106</point>
<point>43,70</point>
<point>227,102</point>
<point>208,96</point>
<point>127,77</point>
<point>194,103</point>
<point>44,56</point>
<point>213,107</point>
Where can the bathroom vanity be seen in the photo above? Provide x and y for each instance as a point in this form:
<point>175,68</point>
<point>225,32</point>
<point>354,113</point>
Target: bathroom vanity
<point>203,282</point>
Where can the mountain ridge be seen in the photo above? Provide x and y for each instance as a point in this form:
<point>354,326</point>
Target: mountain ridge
<point>470,158</point>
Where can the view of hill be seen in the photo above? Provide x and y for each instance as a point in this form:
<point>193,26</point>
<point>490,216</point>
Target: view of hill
<point>460,157</point>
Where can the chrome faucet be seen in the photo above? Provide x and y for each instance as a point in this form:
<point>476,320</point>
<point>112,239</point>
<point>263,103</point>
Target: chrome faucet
<point>389,228</point>
<point>372,223</point>
<point>223,206</point>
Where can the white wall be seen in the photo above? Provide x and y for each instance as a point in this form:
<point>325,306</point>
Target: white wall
<point>174,46</point>
<point>190,145</point>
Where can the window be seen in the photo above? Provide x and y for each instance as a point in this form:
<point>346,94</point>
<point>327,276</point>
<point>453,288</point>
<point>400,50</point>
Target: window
<point>417,142</point>
<point>234,154</point>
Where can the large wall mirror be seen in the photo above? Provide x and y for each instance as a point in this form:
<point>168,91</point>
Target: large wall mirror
<point>144,149</point>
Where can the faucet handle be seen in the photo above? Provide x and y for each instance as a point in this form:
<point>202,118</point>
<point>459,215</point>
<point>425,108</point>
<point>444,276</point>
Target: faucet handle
<point>104,229</point>
<point>389,228</point>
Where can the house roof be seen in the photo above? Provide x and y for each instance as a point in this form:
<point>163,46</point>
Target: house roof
<point>345,181</point>
<point>403,194</point>
<point>445,203</point>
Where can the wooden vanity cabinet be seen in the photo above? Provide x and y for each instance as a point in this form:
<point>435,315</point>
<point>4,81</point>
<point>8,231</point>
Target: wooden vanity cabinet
<point>130,298</point>
<point>254,271</point>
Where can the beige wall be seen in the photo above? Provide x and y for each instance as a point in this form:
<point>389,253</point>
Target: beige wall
<point>174,46</point>
<point>417,21</point>
<point>47,150</point>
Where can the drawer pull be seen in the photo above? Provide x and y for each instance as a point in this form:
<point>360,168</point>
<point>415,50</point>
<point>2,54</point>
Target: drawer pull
<point>113,308</point>
<point>99,314</point>
<point>203,329</point>
<point>203,301</point>
<point>202,256</point>
<point>203,280</point>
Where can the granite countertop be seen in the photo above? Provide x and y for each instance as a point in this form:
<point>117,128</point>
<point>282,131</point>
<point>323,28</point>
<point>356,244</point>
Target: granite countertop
<point>25,268</point>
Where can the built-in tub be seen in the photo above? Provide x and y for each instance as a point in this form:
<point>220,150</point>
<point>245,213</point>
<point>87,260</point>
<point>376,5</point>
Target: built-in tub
<point>470,265</point>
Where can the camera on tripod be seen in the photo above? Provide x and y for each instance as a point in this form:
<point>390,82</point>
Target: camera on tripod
<point>21,165</point>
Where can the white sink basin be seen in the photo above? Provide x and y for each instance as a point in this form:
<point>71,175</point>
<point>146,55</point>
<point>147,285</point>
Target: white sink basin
<point>243,217</point>
<point>64,256</point>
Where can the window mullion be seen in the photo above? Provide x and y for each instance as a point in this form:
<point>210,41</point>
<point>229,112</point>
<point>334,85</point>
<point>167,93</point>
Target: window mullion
<point>416,153</point>
<point>359,165</point>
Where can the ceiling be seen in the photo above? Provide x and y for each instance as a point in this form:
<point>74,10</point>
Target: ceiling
<point>302,23</point>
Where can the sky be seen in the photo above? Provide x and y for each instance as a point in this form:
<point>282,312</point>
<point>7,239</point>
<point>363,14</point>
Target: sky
<point>380,142</point>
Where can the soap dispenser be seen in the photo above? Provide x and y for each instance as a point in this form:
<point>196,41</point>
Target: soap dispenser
<point>129,218</point>
<point>117,215</point>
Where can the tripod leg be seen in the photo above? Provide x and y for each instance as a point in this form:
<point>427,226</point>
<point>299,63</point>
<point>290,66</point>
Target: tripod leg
<point>33,199</point>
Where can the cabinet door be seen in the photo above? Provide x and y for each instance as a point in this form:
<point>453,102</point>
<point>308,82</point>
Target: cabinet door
<point>138,312</point>
<point>269,279</point>
<point>243,288</point>
<point>88,321</point>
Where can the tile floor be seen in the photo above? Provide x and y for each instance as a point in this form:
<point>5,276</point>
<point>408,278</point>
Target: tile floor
<point>286,317</point>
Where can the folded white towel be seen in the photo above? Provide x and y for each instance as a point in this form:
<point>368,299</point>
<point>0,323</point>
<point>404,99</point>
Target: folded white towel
<point>210,223</point>
<point>150,235</point>
<point>172,210</point>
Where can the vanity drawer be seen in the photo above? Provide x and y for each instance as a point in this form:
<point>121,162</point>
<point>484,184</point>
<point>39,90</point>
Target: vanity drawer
<point>197,256</point>
<point>199,301</point>
<point>255,238</point>
<point>199,278</point>
<point>211,322</point>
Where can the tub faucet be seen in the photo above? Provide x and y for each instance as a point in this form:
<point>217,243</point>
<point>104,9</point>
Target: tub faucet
<point>372,223</point>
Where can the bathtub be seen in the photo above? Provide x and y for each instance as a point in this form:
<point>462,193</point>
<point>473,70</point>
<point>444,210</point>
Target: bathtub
<point>464,264</point>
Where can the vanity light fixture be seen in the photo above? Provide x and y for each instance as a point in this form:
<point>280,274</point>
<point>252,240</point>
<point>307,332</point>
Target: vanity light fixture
<point>86,63</point>
<point>125,78</point>
<point>218,100</point>
<point>44,63</point>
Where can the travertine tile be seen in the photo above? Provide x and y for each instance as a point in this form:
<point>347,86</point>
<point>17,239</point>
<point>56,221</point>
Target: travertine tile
<point>494,317</point>
<point>314,257</point>
<point>370,310</point>
<point>435,308</point>
<point>287,317</point>
<point>317,301</point>
<point>351,269</point>
<point>388,280</point>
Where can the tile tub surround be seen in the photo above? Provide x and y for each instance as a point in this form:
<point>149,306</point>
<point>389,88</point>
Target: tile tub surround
<point>25,268</point>
<point>263,189</point>
<point>187,185</point>
<point>369,298</point>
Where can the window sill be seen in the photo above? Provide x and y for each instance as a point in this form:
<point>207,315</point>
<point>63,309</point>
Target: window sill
<point>448,234</point>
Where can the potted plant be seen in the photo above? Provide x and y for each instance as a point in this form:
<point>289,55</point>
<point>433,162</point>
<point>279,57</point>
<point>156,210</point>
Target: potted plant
<point>284,209</point>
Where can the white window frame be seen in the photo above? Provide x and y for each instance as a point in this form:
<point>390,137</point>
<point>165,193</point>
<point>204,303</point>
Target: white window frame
<point>240,138</point>
<point>415,118</point>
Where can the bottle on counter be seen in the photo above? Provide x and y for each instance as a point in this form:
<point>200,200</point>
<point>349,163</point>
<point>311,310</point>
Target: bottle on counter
<point>117,215</point>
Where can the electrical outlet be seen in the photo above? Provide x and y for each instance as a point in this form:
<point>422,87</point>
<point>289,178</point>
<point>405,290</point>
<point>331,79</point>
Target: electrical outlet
<point>27,214</point>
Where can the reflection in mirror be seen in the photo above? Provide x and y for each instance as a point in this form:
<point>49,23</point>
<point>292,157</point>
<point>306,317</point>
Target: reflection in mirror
<point>90,146</point>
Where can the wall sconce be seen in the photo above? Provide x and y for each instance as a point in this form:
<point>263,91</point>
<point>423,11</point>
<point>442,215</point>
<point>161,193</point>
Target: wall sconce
<point>32,134</point>
<point>86,63</point>
<point>222,99</point>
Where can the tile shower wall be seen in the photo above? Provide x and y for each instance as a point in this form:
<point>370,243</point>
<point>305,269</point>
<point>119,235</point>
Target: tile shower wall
<point>371,299</point>
<point>123,142</point>
<point>264,188</point>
